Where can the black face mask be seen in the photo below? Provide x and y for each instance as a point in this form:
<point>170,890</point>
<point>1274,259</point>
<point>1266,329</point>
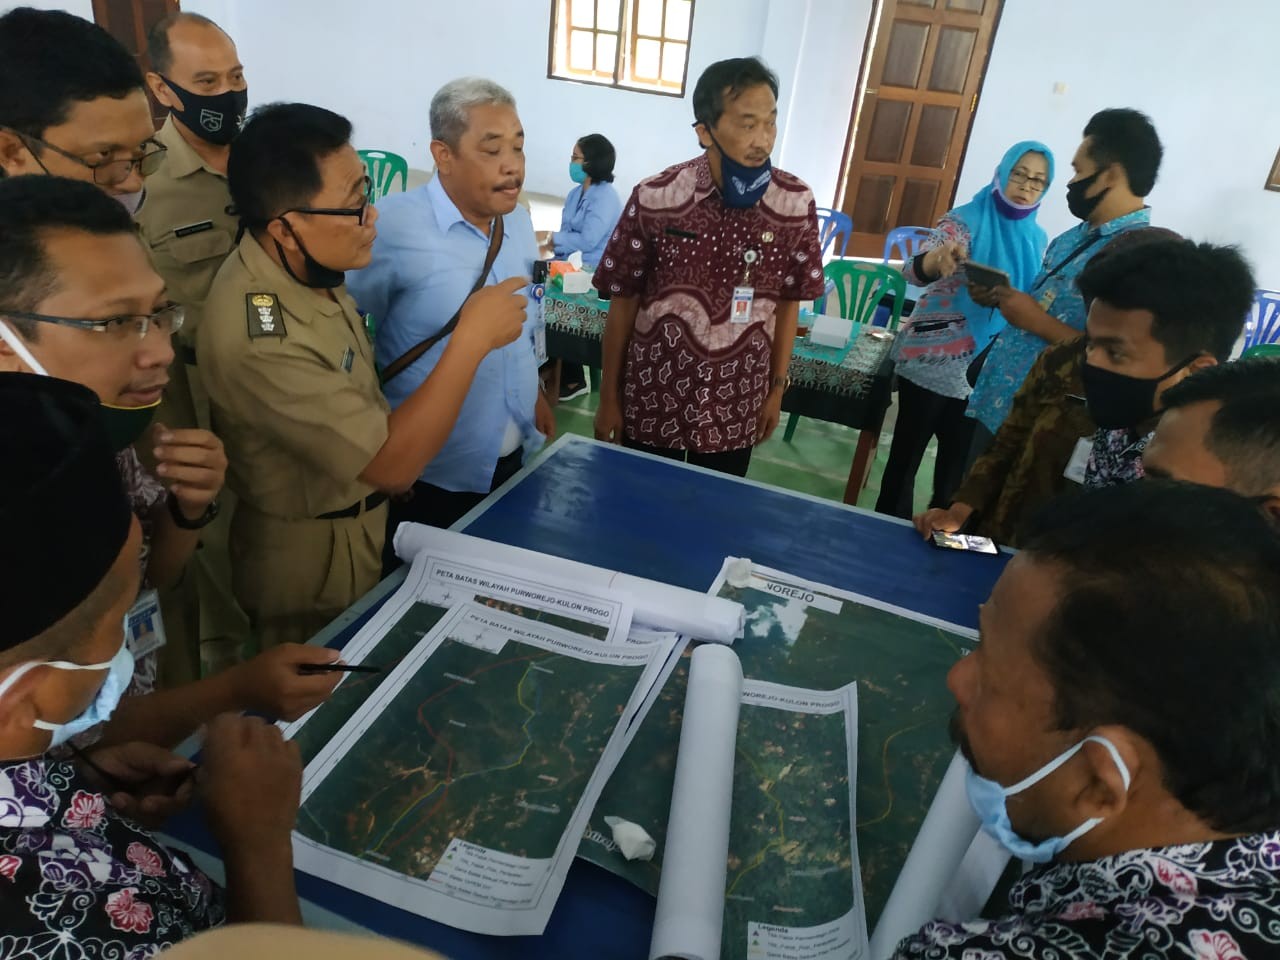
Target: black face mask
<point>318,276</point>
<point>1117,401</point>
<point>1082,207</point>
<point>216,119</point>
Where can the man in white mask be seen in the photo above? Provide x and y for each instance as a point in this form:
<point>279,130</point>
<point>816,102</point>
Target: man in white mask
<point>1121,719</point>
<point>80,875</point>
<point>79,300</point>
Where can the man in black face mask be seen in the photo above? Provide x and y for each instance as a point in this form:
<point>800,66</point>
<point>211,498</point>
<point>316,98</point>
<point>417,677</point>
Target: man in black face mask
<point>312,444</point>
<point>189,230</point>
<point>1158,313</point>
<point>1115,168</point>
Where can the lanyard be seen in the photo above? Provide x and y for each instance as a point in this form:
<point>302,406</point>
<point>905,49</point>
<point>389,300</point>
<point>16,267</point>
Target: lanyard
<point>1088,242</point>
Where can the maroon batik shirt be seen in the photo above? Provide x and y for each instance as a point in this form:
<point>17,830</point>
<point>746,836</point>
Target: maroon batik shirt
<point>693,380</point>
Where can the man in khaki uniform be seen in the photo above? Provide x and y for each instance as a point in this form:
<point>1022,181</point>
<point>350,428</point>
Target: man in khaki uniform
<point>312,445</point>
<point>189,230</point>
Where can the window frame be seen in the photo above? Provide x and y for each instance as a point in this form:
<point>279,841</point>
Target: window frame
<point>627,37</point>
<point>1273,179</point>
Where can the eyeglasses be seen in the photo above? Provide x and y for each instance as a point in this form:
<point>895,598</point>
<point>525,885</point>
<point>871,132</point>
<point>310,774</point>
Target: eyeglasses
<point>107,173</point>
<point>359,212</point>
<point>1034,184</point>
<point>168,319</point>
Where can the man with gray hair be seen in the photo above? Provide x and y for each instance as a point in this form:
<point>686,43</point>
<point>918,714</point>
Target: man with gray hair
<point>436,246</point>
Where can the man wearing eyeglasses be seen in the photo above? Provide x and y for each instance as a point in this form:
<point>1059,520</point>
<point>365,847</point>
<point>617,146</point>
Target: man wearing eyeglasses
<point>287,361</point>
<point>72,104</point>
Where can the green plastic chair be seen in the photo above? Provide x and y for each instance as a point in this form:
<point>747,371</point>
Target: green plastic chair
<point>859,289</point>
<point>1262,350</point>
<point>384,168</point>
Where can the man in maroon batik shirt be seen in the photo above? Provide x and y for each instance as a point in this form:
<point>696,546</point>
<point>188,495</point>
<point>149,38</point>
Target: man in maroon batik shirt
<point>706,271</point>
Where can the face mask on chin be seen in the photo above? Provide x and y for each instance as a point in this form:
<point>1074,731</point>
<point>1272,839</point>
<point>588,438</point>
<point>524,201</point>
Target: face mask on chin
<point>742,186</point>
<point>317,275</point>
<point>988,799</point>
<point>131,201</point>
<point>124,424</point>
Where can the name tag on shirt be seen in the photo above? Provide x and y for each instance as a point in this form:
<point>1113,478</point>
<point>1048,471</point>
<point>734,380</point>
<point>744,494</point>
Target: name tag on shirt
<point>1046,300</point>
<point>743,297</point>
<point>1079,460</point>
<point>145,626</point>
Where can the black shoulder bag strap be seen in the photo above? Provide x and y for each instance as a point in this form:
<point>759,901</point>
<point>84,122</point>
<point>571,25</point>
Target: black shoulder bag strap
<point>410,356</point>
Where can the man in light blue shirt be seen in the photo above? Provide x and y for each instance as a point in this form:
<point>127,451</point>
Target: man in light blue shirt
<point>431,246</point>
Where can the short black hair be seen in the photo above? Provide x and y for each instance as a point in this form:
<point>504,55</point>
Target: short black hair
<point>29,207</point>
<point>732,76</point>
<point>1127,137</point>
<point>1168,624</point>
<point>598,157</point>
<point>1245,431</point>
<point>158,50</point>
<point>275,159</point>
<point>51,60</point>
<point>1198,293</point>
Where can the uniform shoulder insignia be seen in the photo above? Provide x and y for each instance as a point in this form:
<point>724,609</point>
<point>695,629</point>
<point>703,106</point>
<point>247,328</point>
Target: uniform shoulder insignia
<point>262,310</point>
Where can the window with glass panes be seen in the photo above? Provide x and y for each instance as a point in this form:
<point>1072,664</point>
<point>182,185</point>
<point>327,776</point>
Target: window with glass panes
<point>635,44</point>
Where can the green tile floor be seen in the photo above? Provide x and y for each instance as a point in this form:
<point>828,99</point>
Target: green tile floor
<point>815,462</point>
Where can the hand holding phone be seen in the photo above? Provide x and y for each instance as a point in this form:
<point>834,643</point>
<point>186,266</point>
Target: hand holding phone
<point>985,276</point>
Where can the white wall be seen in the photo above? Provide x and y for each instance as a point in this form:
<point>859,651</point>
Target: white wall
<point>298,50</point>
<point>81,8</point>
<point>1204,73</point>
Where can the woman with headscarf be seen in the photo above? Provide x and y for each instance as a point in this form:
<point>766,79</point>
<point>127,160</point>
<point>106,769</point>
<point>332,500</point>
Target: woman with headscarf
<point>948,332</point>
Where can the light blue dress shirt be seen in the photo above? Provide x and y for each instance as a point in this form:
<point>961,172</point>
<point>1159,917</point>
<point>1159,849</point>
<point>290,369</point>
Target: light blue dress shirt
<point>425,259</point>
<point>587,222</point>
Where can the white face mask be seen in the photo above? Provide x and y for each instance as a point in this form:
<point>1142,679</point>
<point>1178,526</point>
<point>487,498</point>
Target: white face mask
<point>24,353</point>
<point>120,672</point>
<point>132,201</point>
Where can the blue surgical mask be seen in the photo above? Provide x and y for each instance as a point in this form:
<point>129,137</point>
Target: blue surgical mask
<point>988,801</point>
<point>577,172</point>
<point>743,186</point>
<point>119,672</point>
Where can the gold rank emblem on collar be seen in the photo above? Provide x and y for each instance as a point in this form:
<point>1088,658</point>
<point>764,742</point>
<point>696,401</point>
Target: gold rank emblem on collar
<point>265,319</point>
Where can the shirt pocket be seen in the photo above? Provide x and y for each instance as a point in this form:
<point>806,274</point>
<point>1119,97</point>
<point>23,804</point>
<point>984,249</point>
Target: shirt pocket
<point>188,264</point>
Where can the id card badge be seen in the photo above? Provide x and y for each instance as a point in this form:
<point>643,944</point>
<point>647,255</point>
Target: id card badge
<point>537,292</point>
<point>540,343</point>
<point>1046,300</point>
<point>1079,460</point>
<point>145,631</point>
<point>743,297</point>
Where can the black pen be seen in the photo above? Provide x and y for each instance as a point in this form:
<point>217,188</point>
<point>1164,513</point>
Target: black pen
<point>337,668</point>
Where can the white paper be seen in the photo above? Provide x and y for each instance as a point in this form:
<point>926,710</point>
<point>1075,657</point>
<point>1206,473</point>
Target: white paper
<point>696,615</point>
<point>389,804</point>
<point>690,907</point>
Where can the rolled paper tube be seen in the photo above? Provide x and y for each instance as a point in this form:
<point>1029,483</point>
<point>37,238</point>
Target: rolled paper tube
<point>693,614</point>
<point>690,911</point>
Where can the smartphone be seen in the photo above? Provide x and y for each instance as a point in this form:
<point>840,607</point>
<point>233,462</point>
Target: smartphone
<point>985,276</point>
<point>964,541</point>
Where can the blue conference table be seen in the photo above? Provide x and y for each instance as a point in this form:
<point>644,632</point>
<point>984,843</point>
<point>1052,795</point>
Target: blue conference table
<point>653,518</point>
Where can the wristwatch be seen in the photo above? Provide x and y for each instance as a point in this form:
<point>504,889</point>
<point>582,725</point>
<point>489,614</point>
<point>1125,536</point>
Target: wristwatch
<point>200,522</point>
<point>783,382</point>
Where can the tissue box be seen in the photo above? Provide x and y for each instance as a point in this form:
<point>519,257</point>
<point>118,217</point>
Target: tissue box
<point>830,331</point>
<point>577,282</point>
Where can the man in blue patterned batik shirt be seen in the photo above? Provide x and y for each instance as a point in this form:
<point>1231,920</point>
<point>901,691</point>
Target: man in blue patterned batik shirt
<point>1122,727</point>
<point>1115,168</point>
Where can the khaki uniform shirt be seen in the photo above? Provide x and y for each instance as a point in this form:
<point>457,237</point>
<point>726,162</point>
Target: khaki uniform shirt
<point>185,223</point>
<point>296,401</point>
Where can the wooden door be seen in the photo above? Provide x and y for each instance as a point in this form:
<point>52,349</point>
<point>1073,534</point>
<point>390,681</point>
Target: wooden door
<point>918,91</point>
<point>128,21</point>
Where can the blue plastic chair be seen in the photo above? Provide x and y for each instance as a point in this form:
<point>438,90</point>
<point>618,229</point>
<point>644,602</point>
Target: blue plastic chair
<point>1263,324</point>
<point>909,239</point>
<point>832,225</point>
